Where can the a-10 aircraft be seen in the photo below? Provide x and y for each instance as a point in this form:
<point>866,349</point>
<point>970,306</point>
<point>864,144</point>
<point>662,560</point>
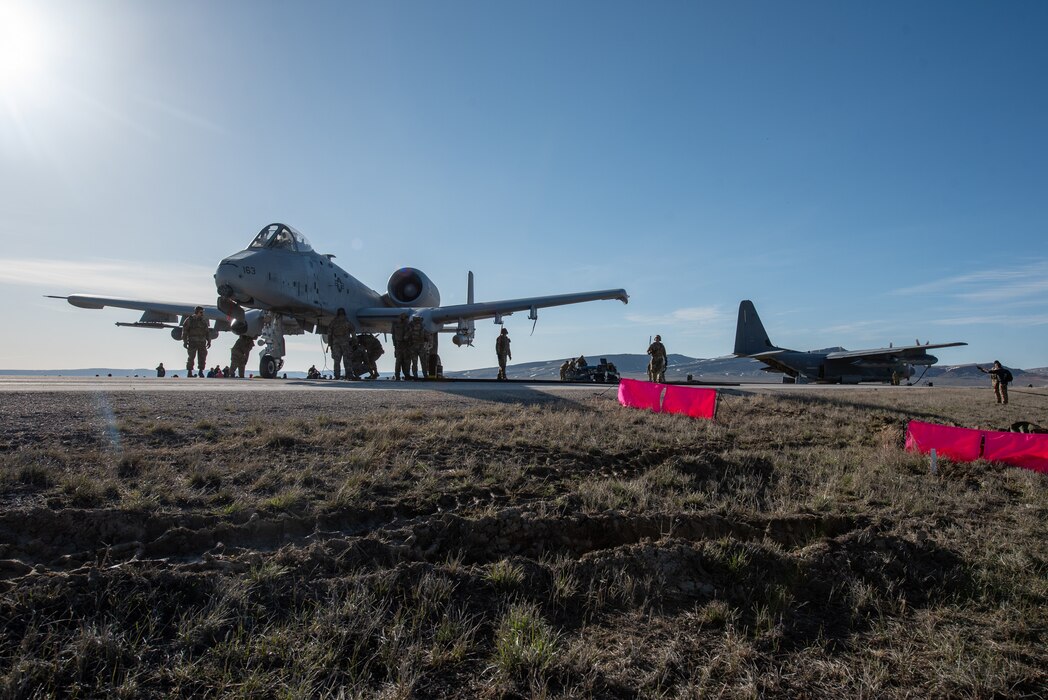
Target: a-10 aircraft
<point>889,364</point>
<point>280,286</point>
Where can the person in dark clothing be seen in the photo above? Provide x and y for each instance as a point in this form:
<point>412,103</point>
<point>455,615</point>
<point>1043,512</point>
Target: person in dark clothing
<point>1000,376</point>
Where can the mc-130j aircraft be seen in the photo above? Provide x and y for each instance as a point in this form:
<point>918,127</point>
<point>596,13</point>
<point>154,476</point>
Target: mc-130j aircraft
<point>279,286</point>
<point>844,367</point>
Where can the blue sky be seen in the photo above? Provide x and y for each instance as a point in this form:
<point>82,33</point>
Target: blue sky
<point>866,173</point>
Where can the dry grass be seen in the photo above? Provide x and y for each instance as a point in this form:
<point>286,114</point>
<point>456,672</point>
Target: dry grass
<point>246,546</point>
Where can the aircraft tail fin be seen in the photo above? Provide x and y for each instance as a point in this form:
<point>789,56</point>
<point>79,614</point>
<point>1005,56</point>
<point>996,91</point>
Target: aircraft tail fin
<point>750,336</point>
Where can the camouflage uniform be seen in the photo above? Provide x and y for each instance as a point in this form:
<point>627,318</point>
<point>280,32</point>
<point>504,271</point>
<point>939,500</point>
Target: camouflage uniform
<point>196,338</point>
<point>340,339</point>
<point>564,370</point>
<point>399,331</point>
<point>358,356</point>
<point>503,352</point>
<point>374,350</point>
<point>432,358</point>
<point>419,347</point>
<point>238,355</point>
<point>1000,387</point>
<point>657,365</point>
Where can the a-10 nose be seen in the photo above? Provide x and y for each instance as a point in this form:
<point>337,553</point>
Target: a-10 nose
<point>227,277</point>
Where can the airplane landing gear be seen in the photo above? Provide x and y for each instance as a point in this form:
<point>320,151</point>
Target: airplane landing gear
<point>273,353</point>
<point>269,366</point>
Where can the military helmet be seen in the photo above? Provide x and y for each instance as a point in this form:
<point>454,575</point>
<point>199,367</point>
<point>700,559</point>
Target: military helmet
<point>658,337</point>
<point>340,312</point>
<point>199,308</point>
<point>504,331</point>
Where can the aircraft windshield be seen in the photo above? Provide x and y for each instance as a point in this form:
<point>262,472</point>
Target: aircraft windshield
<point>281,237</point>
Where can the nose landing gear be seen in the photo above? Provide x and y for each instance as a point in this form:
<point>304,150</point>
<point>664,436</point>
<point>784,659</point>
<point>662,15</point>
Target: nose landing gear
<point>272,358</point>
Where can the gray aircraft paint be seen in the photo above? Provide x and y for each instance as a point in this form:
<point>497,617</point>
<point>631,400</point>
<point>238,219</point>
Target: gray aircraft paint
<point>843,367</point>
<point>280,286</point>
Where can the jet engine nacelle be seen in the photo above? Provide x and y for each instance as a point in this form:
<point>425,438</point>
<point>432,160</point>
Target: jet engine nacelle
<point>410,287</point>
<point>251,325</point>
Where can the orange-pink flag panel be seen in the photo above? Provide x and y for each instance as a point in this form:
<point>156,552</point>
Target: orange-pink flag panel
<point>638,394</point>
<point>691,401</point>
<point>1018,449</point>
<point>959,444</point>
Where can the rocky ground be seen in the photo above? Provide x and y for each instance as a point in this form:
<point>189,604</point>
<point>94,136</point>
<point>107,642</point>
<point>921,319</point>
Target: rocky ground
<point>423,544</point>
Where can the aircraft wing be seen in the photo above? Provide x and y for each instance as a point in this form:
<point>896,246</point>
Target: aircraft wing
<point>491,309</point>
<point>154,312</point>
<point>902,352</point>
<point>774,364</point>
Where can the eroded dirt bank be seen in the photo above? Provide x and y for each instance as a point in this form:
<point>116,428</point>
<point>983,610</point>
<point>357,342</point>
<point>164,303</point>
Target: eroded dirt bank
<point>433,545</point>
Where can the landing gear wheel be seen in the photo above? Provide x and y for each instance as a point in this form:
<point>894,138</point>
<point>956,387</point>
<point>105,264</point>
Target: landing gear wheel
<point>267,367</point>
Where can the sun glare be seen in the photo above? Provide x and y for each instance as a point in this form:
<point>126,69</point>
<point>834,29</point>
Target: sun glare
<point>22,53</point>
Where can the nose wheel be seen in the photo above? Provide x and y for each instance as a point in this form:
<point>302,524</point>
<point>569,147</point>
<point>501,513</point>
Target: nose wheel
<point>272,358</point>
<point>269,366</point>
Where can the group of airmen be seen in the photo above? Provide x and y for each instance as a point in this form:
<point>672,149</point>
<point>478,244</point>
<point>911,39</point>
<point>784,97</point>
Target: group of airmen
<point>571,365</point>
<point>357,353</point>
<point>415,350</point>
<point>196,338</point>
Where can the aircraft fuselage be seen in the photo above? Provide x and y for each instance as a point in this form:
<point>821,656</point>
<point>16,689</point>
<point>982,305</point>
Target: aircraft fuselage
<point>815,366</point>
<point>302,284</point>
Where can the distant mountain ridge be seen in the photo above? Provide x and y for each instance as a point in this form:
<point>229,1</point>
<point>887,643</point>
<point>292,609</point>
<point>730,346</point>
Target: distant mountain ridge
<point>717,369</point>
<point>738,369</point>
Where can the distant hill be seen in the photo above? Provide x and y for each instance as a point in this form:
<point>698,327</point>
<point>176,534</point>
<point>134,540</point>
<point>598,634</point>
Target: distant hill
<point>734,369</point>
<point>635,366</point>
<point>87,372</point>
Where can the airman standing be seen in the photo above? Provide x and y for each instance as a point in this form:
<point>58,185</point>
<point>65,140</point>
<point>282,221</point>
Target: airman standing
<point>340,339</point>
<point>160,371</point>
<point>196,339</point>
<point>399,331</point>
<point>564,370</point>
<point>1000,376</point>
<point>657,364</point>
<point>419,347</point>
<point>238,355</point>
<point>503,352</point>
<point>432,357</point>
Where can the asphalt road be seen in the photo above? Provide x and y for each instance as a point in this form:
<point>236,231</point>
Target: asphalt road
<point>10,384</point>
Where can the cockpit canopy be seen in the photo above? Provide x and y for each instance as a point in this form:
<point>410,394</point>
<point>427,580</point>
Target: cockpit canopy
<point>281,237</point>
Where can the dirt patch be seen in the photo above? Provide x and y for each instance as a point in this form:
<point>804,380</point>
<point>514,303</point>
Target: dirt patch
<point>482,549</point>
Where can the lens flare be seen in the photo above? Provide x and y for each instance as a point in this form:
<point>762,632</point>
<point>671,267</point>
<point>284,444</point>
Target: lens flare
<point>22,52</point>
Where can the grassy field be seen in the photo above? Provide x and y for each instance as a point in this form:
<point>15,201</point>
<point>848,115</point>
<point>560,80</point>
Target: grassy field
<point>361,544</point>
